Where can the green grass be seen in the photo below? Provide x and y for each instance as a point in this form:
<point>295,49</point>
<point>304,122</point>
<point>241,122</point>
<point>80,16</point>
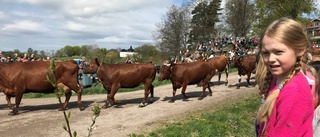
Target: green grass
<point>233,118</point>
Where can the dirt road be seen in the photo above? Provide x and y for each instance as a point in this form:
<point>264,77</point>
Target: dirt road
<point>40,117</point>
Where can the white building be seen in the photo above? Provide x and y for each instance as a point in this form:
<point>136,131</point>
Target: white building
<point>130,52</point>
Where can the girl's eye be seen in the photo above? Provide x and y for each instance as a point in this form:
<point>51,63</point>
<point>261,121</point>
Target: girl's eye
<point>279,52</point>
<point>265,53</point>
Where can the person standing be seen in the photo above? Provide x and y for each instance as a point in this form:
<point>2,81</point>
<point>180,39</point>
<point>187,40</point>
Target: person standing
<point>287,108</point>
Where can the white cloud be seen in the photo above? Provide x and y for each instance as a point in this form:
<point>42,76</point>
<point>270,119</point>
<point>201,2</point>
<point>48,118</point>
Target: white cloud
<point>2,15</point>
<point>75,26</point>
<point>24,25</point>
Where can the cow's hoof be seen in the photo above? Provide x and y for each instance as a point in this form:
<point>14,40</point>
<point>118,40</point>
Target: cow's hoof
<point>200,98</point>
<point>116,102</point>
<point>210,94</point>
<point>171,101</point>
<point>81,108</point>
<point>105,106</point>
<point>142,105</point>
<point>62,109</point>
<point>238,87</point>
<point>13,113</point>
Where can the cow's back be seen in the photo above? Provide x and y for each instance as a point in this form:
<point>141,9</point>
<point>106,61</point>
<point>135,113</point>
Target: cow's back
<point>127,75</point>
<point>247,64</point>
<point>31,76</point>
<point>219,62</point>
<point>192,72</point>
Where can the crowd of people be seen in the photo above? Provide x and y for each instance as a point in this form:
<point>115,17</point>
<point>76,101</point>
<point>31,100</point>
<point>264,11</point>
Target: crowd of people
<point>24,58</point>
<point>207,53</point>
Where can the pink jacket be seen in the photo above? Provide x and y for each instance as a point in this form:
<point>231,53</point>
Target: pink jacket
<point>293,111</point>
<point>313,87</point>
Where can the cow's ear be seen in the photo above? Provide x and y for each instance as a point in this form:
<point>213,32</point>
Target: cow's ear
<point>97,61</point>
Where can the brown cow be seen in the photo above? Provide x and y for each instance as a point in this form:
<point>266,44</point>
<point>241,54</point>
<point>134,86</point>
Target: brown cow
<point>221,64</point>
<point>115,76</point>
<point>24,77</point>
<point>185,74</point>
<point>245,65</point>
<point>316,51</point>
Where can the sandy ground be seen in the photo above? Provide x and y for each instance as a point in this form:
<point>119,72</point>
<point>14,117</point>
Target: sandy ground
<point>40,117</point>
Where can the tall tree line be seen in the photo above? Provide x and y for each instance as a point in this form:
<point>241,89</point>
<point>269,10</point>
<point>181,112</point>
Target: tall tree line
<point>202,20</point>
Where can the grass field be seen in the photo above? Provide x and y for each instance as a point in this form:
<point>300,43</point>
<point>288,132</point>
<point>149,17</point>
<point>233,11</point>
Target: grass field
<point>233,118</point>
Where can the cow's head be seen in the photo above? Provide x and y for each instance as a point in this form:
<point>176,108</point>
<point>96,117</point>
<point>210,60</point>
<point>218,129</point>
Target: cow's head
<point>236,62</point>
<point>165,72</point>
<point>92,67</point>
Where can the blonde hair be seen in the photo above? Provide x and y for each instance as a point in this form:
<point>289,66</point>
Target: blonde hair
<point>260,72</point>
<point>292,34</point>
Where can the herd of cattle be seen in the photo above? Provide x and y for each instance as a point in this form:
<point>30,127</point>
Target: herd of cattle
<point>24,77</point>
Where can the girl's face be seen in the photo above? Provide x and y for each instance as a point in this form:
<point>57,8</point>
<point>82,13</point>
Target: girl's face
<point>278,57</point>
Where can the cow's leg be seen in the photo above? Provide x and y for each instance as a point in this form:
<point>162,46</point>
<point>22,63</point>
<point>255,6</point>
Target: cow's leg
<point>219,77</point>
<point>18,96</point>
<point>208,86</point>
<point>183,90</point>
<point>239,81</point>
<point>204,87</point>
<point>227,74</point>
<point>147,89</point>
<point>78,90</point>
<point>173,95</point>
<point>151,92</point>
<point>64,106</point>
<point>248,79</point>
<point>8,98</point>
<point>110,96</point>
<point>79,94</point>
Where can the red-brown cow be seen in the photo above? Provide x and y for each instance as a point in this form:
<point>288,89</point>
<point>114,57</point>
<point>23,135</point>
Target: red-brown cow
<point>245,65</point>
<point>24,77</point>
<point>221,64</point>
<point>316,51</point>
<point>115,76</point>
<point>185,74</point>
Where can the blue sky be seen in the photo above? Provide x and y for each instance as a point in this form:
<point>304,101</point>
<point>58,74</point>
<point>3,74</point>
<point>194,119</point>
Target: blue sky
<point>52,24</point>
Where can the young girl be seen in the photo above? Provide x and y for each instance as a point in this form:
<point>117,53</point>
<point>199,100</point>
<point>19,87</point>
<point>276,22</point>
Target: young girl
<point>287,108</point>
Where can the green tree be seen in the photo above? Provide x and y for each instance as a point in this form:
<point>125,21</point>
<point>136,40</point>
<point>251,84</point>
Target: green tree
<point>204,17</point>
<point>76,51</point>
<point>147,53</point>
<point>42,53</point>
<point>35,52</point>
<point>59,53</point>
<point>17,51</point>
<point>84,50</point>
<point>29,51</point>
<point>112,57</point>
<point>270,10</point>
<point>68,50</point>
<point>239,16</point>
